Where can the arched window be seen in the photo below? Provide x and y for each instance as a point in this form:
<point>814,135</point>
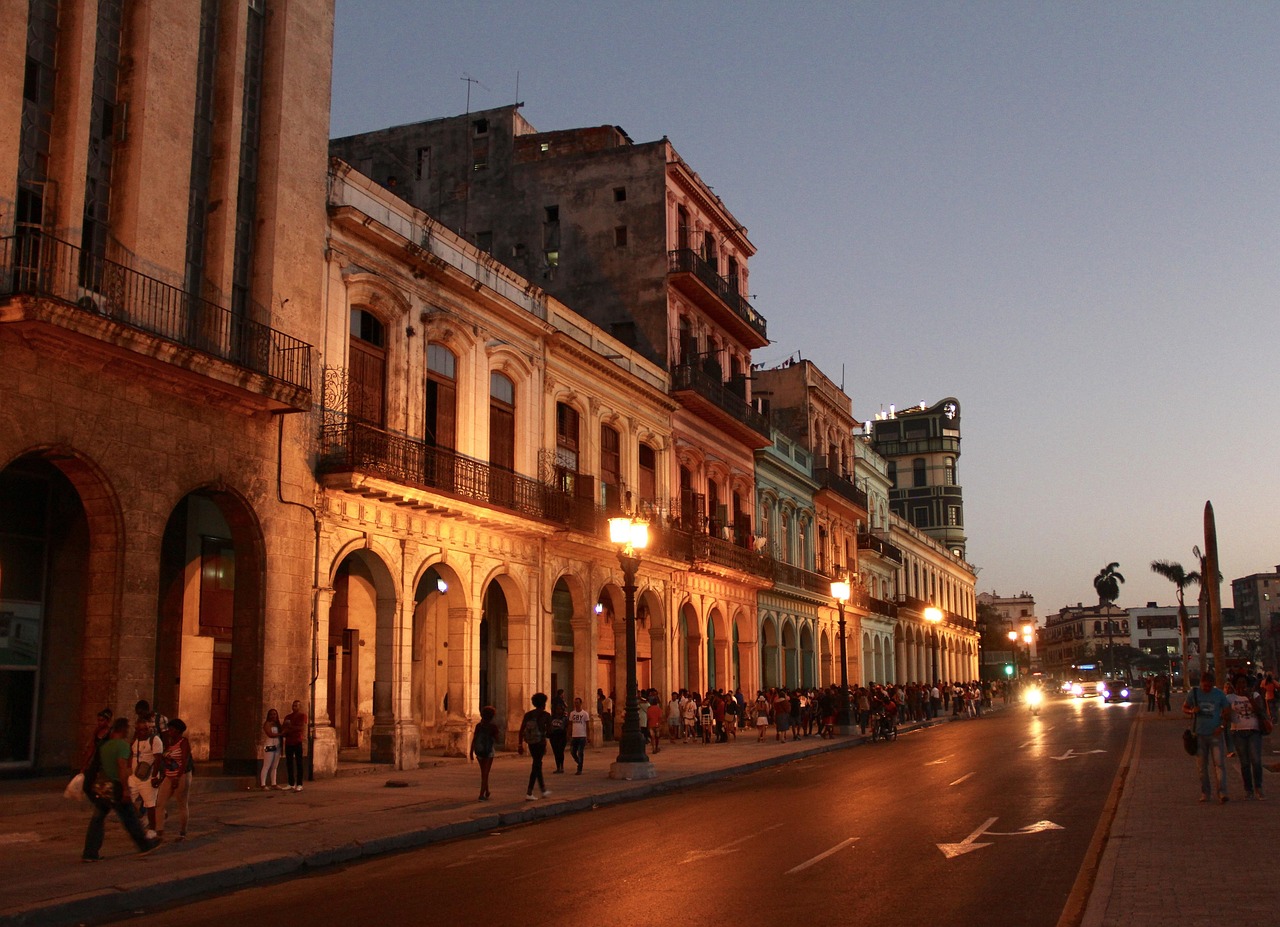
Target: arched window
<point>368,368</point>
<point>442,398</point>
<point>502,422</point>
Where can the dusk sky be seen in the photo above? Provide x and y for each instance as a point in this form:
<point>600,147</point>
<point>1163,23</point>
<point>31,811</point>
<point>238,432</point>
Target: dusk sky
<point>1065,215</point>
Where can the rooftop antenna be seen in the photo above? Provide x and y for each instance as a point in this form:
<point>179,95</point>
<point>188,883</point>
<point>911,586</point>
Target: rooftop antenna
<point>516,101</point>
<point>466,200</point>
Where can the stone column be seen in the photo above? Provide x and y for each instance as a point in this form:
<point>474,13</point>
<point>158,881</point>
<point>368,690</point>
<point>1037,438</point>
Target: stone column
<point>324,746</point>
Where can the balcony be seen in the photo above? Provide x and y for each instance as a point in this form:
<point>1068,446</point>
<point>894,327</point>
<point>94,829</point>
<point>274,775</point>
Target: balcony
<point>727,554</point>
<point>807,580</point>
<point>112,309</point>
<point>716,296</point>
<point>883,607</point>
<point>354,447</point>
<point>880,546</point>
<point>708,397</point>
<point>841,486</point>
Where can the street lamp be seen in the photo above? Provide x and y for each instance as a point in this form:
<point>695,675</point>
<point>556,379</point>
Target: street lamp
<point>933,615</point>
<point>1028,636</point>
<point>1013,649</point>
<point>840,592</point>
<point>630,535</point>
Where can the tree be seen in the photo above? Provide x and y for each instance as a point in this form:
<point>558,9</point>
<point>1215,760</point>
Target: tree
<point>1107,585</point>
<point>1181,579</point>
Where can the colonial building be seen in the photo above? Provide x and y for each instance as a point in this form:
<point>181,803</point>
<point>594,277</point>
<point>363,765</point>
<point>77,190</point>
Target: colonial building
<point>1256,601</point>
<point>627,236</point>
<point>922,446</point>
<point>1015,613</point>
<point>1154,631</point>
<point>161,231</point>
<point>1083,634</point>
<point>936,633</point>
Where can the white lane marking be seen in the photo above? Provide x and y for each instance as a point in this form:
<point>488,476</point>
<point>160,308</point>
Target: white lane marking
<point>730,847</point>
<point>952,850</point>
<point>1071,754</point>
<point>940,760</point>
<point>962,778</point>
<point>821,856</point>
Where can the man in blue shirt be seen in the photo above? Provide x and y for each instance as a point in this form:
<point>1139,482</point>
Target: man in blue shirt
<point>1211,710</point>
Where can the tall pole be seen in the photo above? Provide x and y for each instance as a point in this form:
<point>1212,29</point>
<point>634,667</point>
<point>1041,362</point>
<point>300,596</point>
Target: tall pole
<point>844,666</point>
<point>1209,580</point>
<point>631,744</point>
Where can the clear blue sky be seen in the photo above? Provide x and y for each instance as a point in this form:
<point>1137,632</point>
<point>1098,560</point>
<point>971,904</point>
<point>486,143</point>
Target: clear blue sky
<point>1066,215</point>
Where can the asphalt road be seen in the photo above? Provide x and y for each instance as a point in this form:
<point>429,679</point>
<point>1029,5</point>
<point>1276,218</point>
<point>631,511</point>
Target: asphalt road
<point>973,823</point>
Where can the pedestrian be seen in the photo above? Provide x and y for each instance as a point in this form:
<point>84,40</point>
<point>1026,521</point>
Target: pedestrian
<point>295,731</point>
<point>606,716</point>
<point>579,719</point>
<point>762,715</point>
<point>484,744</point>
<point>653,718</point>
<point>559,734</point>
<point>1247,710</point>
<point>935,700</point>
<point>1208,706</point>
<point>105,787</point>
<point>535,728</point>
<point>143,709</point>
<point>101,732</point>
<point>781,716</point>
<point>144,771</point>
<point>177,766</point>
<point>272,739</point>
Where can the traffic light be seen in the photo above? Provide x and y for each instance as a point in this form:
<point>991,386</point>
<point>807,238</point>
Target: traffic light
<point>1008,669</point>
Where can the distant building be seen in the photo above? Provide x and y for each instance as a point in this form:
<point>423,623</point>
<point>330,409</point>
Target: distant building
<point>922,446</point>
<point>1015,612</point>
<point>1256,598</point>
<point>1082,634</point>
<point>1154,630</point>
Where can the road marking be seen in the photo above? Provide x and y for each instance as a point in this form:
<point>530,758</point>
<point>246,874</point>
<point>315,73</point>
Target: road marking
<point>821,856</point>
<point>1071,754</point>
<point>962,778</point>
<point>730,847</point>
<point>952,850</point>
<point>940,760</point>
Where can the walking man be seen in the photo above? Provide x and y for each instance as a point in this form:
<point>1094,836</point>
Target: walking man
<point>578,721</point>
<point>105,787</point>
<point>1209,707</point>
<point>535,728</point>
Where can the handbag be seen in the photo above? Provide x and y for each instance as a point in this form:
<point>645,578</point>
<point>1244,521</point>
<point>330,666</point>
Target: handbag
<point>75,788</point>
<point>1190,742</point>
<point>142,771</point>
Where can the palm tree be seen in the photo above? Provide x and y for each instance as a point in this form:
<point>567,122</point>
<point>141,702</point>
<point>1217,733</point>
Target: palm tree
<point>1181,579</point>
<point>1107,585</point>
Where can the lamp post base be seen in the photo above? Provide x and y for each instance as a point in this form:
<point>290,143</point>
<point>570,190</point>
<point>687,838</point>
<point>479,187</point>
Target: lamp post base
<point>632,770</point>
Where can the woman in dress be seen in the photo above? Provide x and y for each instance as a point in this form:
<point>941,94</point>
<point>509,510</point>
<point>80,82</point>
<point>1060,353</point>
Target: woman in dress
<point>176,784</point>
<point>272,747</point>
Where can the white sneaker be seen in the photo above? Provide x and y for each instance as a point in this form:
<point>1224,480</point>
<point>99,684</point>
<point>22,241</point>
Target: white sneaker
<point>297,788</point>
<point>151,835</point>
<point>531,798</point>
<point>545,794</point>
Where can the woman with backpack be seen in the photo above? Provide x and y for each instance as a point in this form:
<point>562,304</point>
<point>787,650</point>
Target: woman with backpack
<point>559,736</point>
<point>484,742</point>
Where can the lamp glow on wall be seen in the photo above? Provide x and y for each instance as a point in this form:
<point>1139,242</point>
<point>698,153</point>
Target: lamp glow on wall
<point>840,592</point>
<point>933,615</point>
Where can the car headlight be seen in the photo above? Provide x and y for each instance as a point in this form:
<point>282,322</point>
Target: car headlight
<point>1077,689</point>
<point>1124,693</point>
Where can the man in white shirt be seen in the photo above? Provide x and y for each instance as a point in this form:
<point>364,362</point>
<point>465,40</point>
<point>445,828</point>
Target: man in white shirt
<point>578,721</point>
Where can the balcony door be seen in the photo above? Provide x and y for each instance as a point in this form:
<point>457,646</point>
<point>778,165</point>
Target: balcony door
<point>368,369</point>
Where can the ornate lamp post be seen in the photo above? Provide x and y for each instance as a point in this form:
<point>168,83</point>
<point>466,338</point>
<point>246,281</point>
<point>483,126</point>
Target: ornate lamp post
<point>1028,635</point>
<point>840,592</point>
<point>630,535</point>
<point>933,615</point>
<point>1013,650</point>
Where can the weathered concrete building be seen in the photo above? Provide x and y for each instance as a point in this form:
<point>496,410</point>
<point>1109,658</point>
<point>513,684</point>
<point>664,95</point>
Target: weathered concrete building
<point>161,229</point>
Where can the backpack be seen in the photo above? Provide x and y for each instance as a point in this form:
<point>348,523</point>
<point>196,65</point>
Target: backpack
<point>532,729</point>
<point>557,723</point>
<point>484,740</point>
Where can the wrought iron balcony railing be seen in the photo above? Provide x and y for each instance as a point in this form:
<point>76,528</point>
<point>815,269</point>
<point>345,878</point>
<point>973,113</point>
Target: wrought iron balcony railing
<point>841,485</point>
<point>868,540</point>
<point>355,446</point>
<point>36,264</point>
<point>689,377</point>
<point>801,578</point>
<point>883,607</point>
<point>687,261</point>
<point>728,554</point>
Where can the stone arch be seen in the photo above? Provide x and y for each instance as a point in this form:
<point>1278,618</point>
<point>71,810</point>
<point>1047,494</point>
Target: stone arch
<point>63,507</point>
<point>438,654</point>
<point>790,655</point>
<point>770,678</point>
<point>808,657</point>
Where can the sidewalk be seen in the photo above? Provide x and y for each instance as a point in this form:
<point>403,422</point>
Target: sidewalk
<point>239,835</point>
<point>1170,859</point>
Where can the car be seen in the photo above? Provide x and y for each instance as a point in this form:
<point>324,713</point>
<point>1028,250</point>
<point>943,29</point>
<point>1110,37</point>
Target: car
<point>1084,688</point>
<point>1115,691</point>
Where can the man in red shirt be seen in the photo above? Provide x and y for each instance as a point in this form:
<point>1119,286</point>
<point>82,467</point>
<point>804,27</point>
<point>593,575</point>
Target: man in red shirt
<point>295,731</point>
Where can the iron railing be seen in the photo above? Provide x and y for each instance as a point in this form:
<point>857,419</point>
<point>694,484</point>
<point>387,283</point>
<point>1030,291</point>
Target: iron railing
<point>882,607</point>
<point>689,377</point>
<point>727,554</point>
<point>37,264</point>
<point>687,261</point>
<point>356,446</point>
<point>841,485</point>
<point>878,545</point>
<point>800,578</point>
